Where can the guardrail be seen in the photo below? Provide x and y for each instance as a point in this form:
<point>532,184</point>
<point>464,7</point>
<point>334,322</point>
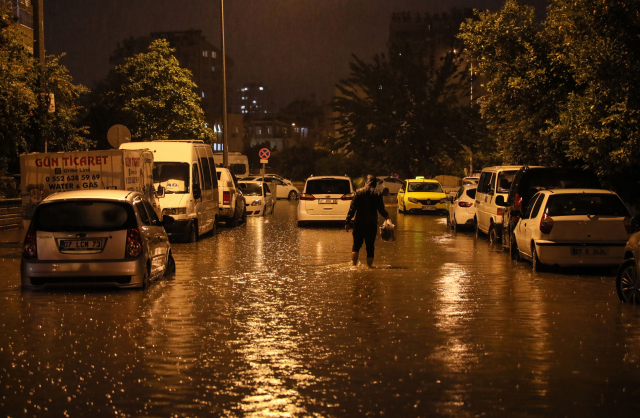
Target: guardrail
<point>10,213</point>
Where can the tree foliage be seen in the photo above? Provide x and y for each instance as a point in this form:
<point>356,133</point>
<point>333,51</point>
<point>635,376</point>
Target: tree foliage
<point>21,105</point>
<point>152,96</point>
<point>566,91</point>
<point>402,113</point>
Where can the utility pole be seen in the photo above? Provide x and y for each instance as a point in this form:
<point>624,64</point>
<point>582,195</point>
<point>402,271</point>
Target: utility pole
<point>38,54</point>
<point>225,142</point>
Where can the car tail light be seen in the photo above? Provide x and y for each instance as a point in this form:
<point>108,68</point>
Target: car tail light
<point>307,196</point>
<point>517,202</point>
<point>465,204</point>
<point>30,246</point>
<point>226,198</point>
<point>347,196</point>
<point>546,223</point>
<point>499,211</point>
<point>134,243</point>
<point>627,225</point>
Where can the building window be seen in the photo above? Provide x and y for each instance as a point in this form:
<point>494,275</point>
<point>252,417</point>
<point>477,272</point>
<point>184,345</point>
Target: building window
<point>205,53</point>
<point>213,54</point>
<point>213,68</point>
<point>203,94</point>
<point>261,88</point>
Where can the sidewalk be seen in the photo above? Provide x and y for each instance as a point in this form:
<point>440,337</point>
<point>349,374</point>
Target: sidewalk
<point>10,237</point>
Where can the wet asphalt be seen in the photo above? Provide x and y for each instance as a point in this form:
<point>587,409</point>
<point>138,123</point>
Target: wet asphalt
<point>271,320</point>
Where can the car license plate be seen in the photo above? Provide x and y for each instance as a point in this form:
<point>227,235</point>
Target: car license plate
<point>428,208</point>
<point>589,251</point>
<point>81,244</point>
<point>328,201</point>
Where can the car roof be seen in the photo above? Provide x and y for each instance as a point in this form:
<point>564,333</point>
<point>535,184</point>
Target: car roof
<point>503,167</point>
<point>422,181</point>
<point>470,186</point>
<point>100,194</point>
<point>576,191</point>
<point>329,177</point>
<point>250,181</point>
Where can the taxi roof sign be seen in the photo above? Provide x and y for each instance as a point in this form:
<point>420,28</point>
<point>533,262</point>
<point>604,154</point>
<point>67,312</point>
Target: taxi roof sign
<point>420,178</point>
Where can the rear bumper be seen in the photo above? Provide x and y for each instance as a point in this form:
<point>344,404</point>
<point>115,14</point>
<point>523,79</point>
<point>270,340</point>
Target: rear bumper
<point>560,254</point>
<point>37,274</point>
<point>304,216</point>
<point>226,212</point>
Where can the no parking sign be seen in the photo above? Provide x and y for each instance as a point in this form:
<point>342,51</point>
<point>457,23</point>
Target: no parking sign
<point>264,154</point>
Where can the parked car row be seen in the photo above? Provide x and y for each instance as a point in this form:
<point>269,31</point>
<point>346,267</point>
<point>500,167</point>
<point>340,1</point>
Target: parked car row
<point>553,217</point>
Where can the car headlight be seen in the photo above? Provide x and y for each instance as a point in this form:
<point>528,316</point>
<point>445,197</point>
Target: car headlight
<point>174,211</point>
<point>413,200</point>
<point>256,202</point>
<point>443,200</point>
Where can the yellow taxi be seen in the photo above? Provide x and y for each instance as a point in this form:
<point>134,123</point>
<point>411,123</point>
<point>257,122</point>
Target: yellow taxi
<point>422,195</point>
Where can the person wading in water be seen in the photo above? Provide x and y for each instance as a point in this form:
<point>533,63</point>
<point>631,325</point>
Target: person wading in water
<point>366,204</point>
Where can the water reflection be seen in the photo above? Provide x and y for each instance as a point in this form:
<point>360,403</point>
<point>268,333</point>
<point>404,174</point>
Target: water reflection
<point>269,319</point>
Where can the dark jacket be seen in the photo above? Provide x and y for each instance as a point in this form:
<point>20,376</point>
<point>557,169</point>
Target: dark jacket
<point>367,202</point>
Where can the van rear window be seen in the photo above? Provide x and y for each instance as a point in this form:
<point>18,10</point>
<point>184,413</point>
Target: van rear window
<point>328,186</point>
<point>84,215</point>
<point>586,204</point>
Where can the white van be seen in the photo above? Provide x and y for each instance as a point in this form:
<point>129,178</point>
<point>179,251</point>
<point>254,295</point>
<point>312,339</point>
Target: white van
<point>185,179</point>
<point>238,163</point>
<point>494,183</point>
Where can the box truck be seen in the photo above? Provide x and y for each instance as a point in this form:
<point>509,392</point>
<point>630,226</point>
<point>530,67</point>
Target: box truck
<point>43,174</point>
<point>238,163</point>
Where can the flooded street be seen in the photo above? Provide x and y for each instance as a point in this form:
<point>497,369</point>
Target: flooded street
<point>269,319</point>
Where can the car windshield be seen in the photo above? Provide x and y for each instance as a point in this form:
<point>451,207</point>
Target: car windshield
<point>251,189</point>
<point>238,169</point>
<point>174,177</point>
<point>328,186</point>
<point>425,187</point>
<point>586,204</point>
<point>84,215</point>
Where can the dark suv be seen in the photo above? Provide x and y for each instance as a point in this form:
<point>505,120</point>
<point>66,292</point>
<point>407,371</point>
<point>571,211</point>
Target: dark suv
<point>529,180</point>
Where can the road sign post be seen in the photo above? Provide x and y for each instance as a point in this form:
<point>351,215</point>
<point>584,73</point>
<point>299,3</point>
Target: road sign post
<point>264,155</point>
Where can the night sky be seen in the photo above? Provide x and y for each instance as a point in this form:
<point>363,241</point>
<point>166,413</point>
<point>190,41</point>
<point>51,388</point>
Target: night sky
<point>295,47</point>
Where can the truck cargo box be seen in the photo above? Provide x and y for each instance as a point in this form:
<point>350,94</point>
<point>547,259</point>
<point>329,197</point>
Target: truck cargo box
<point>43,174</point>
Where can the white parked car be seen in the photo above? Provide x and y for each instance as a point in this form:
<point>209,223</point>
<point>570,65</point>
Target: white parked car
<point>232,202</point>
<point>462,209</point>
<point>627,279</point>
<point>95,237</point>
<point>470,180</point>
<point>284,188</point>
<point>257,197</point>
<point>388,185</point>
<point>572,227</point>
<point>325,198</point>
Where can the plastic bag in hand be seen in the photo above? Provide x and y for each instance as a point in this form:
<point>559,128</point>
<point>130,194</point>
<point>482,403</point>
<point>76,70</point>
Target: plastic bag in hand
<point>388,231</point>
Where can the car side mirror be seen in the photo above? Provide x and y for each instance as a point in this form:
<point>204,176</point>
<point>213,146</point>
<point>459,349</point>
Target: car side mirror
<point>167,220</point>
<point>500,201</point>
<point>197,192</point>
<point>450,198</point>
<point>160,191</point>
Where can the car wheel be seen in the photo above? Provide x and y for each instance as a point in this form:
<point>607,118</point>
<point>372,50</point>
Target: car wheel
<point>292,195</point>
<point>233,221</point>
<point>171,266</point>
<point>193,233</point>
<point>493,235</point>
<point>244,215</point>
<point>513,248</point>
<point>146,280</point>
<point>400,209</point>
<point>301,224</point>
<point>475,222</point>
<point>627,283</point>
<point>454,223</point>
<point>535,261</point>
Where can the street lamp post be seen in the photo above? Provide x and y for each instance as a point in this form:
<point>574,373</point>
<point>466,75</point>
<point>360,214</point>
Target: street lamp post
<point>38,54</point>
<point>225,142</point>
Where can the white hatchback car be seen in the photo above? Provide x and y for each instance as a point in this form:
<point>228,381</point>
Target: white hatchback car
<point>95,237</point>
<point>325,198</point>
<point>258,197</point>
<point>284,188</point>
<point>462,210</point>
<point>388,185</point>
<point>573,227</point>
